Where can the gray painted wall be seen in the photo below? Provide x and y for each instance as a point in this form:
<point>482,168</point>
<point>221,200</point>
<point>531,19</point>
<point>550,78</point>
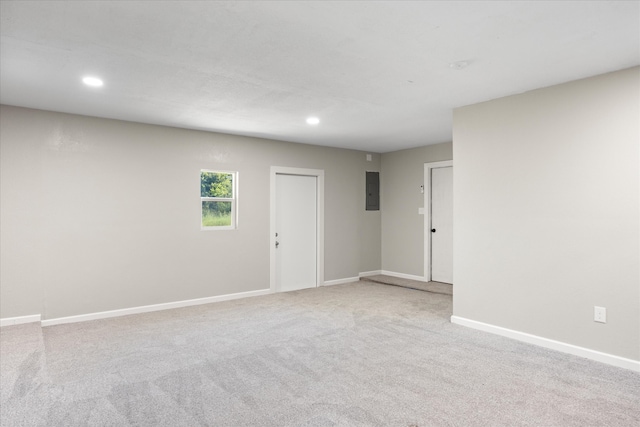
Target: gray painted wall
<point>546,208</point>
<point>402,227</point>
<point>101,214</point>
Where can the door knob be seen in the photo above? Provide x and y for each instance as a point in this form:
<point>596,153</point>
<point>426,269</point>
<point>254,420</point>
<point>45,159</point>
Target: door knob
<point>277,244</point>
<point>433,230</point>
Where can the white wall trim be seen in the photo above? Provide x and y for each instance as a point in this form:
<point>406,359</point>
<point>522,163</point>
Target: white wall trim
<point>403,275</point>
<point>319,173</point>
<point>150,308</point>
<point>340,281</point>
<point>10,321</point>
<point>427,213</point>
<point>370,273</point>
<point>598,356</point>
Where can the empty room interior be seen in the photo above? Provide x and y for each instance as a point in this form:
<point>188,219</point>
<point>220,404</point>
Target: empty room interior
<point>354,213</point>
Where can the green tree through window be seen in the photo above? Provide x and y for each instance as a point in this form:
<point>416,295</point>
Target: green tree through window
<point>217,193</point>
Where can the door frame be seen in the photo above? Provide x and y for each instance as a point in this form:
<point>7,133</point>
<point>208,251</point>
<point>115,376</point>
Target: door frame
<point>319,174</point>
<point>427,213</point>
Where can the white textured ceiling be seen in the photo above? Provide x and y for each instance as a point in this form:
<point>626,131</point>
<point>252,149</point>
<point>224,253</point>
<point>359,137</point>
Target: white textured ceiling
<point>376,73</point>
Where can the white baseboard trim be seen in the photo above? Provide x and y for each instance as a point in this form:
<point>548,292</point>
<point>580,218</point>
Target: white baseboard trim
<point>403,276</point>
<point>598,356</point>
<point>10,321</point>
<point>370,273</point>
<point>154,307</point>
<point>340,281</point>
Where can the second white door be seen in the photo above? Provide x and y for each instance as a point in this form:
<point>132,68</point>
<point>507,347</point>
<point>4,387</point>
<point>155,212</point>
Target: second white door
<point>296,228</point>
<point>442,224</point>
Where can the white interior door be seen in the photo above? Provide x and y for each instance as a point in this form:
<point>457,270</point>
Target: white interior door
<point>296,232</point>
<point>442,224</point>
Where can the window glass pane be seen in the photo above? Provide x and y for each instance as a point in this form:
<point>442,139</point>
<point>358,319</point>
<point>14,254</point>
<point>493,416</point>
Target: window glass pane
<point>216,214</point>
<point>216,184</point>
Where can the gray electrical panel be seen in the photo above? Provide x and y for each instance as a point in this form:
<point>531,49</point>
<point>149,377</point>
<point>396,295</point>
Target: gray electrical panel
<point>373,191</point>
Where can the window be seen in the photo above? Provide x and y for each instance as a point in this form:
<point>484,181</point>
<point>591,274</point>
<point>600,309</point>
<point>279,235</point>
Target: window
<point>218,198</point>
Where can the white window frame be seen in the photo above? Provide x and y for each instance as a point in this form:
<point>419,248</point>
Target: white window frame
<point>233,200</point>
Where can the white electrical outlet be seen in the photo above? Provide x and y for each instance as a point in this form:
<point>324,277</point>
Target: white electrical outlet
<point>600,314</point>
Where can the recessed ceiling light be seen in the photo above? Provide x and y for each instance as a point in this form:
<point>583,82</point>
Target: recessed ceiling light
<point>92,81</point>
<point>459,65</point>
<point>313,120</point>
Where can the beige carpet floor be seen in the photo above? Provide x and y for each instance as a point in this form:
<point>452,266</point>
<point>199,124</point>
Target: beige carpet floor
<point>360,354</point>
